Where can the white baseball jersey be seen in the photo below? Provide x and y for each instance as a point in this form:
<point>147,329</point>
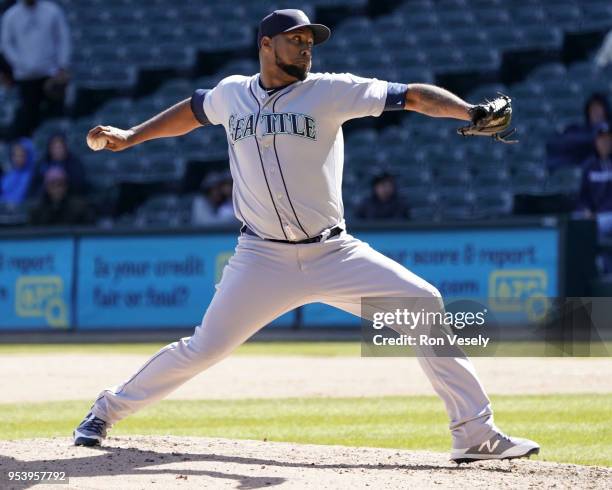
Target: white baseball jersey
<point>286,149</point>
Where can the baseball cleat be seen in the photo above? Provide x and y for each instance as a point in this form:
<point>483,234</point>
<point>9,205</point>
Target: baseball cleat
<point>500,446</point>
<point>90,432</point>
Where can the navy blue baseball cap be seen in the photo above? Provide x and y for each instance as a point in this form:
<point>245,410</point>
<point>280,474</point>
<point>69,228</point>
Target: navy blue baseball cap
<point>287,20</point>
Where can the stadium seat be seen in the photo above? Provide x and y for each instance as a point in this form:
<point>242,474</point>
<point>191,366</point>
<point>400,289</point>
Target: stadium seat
<point>391,22</point>
<point>529,179</point>
<point>13,215</point>
<point>565,180</point>
<point>421,21</point>
<point>453,175</point>
<point>596,15</point>
<point>109,75</point>
<point>505,39</point>
<point>492,16</point>
<point>424,213</point>
<point>529,14</point>
<point>450,19</point>
<point>415,175</point>
<point>493,204</point>
<point>488,177</point>
<point>468,36</point>
<point>548,71</point>
<point>568,15</point>
<point>418,196</point>
<point>456,212</point>
<point>481,58</point>
<point>539,37</point>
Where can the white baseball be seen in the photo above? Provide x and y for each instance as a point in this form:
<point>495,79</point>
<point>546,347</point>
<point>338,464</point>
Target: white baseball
<point>96,143</point>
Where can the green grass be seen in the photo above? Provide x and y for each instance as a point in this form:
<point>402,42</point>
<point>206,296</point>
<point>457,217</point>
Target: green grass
<point>323,349</point>
<point>316,349</point>
<point>570,428</point>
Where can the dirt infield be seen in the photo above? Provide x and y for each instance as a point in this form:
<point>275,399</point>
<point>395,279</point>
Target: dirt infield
<point>171,462</point>
<point>52,377</point>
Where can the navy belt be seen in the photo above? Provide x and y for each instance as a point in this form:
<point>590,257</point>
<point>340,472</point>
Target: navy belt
<point>336,230</point>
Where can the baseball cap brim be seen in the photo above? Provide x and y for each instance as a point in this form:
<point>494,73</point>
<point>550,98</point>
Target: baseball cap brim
<point>320,32</point>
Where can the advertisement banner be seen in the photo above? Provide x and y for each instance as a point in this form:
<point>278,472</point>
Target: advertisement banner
<point>513,266</point>
<point>150,282</point>
<point>35,284</point>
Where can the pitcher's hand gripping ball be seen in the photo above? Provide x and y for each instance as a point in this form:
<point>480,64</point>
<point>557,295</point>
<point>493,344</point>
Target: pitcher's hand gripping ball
<point>96,142</point>
<point>492,118</point>
<point>109,138</point>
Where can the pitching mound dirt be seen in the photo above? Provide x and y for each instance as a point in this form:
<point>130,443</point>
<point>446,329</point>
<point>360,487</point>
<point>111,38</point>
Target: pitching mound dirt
<point>174,462</point>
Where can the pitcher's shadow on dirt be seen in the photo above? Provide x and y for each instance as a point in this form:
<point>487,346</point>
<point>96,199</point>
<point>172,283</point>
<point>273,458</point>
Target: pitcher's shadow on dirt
<point>135,461</point>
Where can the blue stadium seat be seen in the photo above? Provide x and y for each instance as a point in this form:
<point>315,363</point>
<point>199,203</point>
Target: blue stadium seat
<point>548,71</point>
<point>488,91</point>
<point>596,15</point>
<point>481,58</point>
<point>418,196</point>
<point>13,215</point>
<point>413,175</point>
<point>561,88</point>
<point>493,204</point>
<point>496,16</point>
<point>450,19</point>
<point>567,15</point>
<point>489,177</point>
<point>536,36</point>
<point>456,212</point>
<point>565,180</point>
<point>478,5</point>
<point>104,75</point>
<point>453,175</point>
<point>507,38</point>
<point>528,14</point>
<point>391,22</point>
<point>352,25</point>
<point>469,36</point>
<point>529,178</point>
<point>421,21</point>
<point>424,213</point>
<point>116,107</point>
<point>445,58</point>
<point>167,55</point>
<point>409,58</point>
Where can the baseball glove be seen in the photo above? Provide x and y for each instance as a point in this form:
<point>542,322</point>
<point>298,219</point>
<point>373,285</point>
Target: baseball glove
<point>492,118</point>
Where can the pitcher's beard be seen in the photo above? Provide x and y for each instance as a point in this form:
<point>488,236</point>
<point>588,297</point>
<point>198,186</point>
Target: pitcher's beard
<point>293,70</point>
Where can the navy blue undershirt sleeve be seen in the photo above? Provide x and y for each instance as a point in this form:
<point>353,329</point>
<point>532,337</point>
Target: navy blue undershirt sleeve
<point>396,96</point>
<point>197,106</point>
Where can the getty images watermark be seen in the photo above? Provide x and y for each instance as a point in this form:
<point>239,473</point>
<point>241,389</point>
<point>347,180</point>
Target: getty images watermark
<point>532,327</point>
<point>422,320</point>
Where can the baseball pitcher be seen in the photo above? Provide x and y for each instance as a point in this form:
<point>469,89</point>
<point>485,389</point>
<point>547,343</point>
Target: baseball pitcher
<point>286,152</point>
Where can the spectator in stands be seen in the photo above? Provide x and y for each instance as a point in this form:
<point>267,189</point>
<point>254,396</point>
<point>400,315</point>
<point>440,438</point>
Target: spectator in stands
<point>214,206</point>
<point>6,73</point>
<point>575,144</point>
<point>384,202</point>
<point>603,57</point>
<point>58,206</point>
<point>59,155</point>
<point>596,190</point>
<point>17,179</point>
<point>36,43</point>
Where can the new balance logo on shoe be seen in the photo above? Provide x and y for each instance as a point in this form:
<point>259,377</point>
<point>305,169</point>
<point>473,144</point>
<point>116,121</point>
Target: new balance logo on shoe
<point>488,445</point>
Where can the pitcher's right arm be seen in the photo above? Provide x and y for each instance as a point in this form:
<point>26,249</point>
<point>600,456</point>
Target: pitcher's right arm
<point>177,120</point>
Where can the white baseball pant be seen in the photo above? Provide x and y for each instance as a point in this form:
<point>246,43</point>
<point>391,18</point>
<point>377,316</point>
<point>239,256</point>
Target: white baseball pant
<point>264,280</point>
